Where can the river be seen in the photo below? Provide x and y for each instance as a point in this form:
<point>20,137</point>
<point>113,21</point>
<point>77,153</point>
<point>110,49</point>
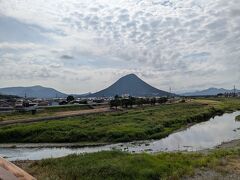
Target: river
<point>205,135</point>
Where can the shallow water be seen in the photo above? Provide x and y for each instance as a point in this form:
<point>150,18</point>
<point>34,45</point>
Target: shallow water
<point>201,136</point>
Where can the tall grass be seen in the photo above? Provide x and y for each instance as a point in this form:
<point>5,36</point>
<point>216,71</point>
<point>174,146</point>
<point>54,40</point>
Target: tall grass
<point>238,118</point>
<point>120,165</point>
<point>137,124</point>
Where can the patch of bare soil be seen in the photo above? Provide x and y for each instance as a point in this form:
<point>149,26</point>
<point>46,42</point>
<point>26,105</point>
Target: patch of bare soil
<point>87,111</point>
<point>230,144</point>
<point>229,169</point>
<point>232,166</point>
<point>209,174</point>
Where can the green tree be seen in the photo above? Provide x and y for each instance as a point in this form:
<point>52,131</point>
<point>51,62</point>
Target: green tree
<point>139,101</point>
<point>116,97</point>
<point>132,101</point>
<point>153,101</point>
<point>125,103</point>
<point>115,102</point>
<point>70,98</point>
<point>162,100</point>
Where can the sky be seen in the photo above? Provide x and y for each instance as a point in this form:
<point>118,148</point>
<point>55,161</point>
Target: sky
<point>79,46</point>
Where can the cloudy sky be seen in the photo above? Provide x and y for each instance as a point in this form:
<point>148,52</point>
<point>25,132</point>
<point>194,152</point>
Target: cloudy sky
<point>79,46</point>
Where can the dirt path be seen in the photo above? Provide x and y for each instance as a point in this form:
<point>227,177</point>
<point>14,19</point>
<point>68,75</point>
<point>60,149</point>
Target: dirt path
<point>58,115</point>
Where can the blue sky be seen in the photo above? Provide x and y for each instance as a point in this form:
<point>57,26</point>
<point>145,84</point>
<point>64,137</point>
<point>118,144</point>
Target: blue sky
<point>81,46</point>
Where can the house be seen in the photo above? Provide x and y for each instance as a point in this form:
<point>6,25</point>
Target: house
<point>19,104</point>
<point>25,105</point>
<point>40,102</point>
<point>5,106</point>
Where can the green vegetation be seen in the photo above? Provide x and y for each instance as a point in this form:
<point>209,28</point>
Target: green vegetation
<point>223,104</point>
<point>137,124</point>
<point>124,126</point>
<point>44,112</point>
<point>238,118</point>
<point>9,97</point>
<point>70,98</point>
<point>120,165</point>
<point>130,101</point>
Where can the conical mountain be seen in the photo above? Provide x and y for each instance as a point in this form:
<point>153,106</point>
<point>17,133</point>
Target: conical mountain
<point>131,85</point>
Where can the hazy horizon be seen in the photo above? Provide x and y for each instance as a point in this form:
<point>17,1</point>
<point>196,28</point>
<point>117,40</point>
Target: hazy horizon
<point>85,46</point>
<point>181,91</point>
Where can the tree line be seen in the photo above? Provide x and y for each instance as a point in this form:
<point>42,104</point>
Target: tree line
<point>130,101</point>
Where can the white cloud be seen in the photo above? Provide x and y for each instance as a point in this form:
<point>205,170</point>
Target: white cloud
<point>150,38</point>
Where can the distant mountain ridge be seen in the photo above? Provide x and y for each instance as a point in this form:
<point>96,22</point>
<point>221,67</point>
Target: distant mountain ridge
<point>209,92</point>
<point>131,85</point>
<point>32,91</point>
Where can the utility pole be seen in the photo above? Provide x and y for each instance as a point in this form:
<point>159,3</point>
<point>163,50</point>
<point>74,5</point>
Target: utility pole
<point>170,90</point>
<point>234,91</point>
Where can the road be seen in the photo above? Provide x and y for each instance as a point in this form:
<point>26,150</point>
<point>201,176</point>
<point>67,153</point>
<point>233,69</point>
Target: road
<point>58,115</point>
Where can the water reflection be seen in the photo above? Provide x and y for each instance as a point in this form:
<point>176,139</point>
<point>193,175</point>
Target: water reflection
<point>198,137</point>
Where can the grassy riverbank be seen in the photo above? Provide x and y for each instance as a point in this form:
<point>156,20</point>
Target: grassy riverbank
<point>136,124</point>
<point>238,118</point>
<point>120,165</point>
<point>43,112</point>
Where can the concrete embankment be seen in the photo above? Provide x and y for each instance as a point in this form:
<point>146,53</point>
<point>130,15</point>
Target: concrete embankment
<point>9,171</point>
